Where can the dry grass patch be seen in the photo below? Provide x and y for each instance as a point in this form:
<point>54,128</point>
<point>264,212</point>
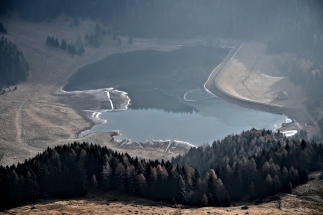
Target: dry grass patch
<point>114,203</point>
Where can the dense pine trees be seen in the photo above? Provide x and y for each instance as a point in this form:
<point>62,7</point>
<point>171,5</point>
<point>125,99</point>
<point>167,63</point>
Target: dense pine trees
<point>72,49</point>
<point>256,163</point>
<point>51,41</point>
<point>3,30</point>
<point>74,169</point>
<point>13,66</point>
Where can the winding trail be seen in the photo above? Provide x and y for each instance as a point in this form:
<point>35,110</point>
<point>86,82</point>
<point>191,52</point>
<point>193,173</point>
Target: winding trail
<point>210,83</point>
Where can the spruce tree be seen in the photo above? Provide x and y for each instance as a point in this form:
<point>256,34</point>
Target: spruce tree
<point>2,29</point>
<point>48,41</point>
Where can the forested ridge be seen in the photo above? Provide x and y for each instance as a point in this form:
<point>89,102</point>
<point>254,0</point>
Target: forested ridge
<point>251,165</point>
<point>256,163</point>
<point>74,169</point>
<point>13,66</point>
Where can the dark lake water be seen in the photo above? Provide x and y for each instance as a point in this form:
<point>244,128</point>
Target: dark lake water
<point>156,82</point>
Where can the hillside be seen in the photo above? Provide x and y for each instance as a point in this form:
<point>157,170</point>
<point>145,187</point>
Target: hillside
<point>83,169</point>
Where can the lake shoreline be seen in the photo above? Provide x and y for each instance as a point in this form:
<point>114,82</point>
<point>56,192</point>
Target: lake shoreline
<point>97,121</point>
<point>212,86</point>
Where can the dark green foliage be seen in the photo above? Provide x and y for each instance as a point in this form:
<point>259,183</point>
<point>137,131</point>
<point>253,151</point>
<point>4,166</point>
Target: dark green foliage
<point>73,169</point>
<point>174,201</point>
<point>254,164</point>
<point>63,44</point>
<point>204,201</point>
<point>71,49</point>
<point>13,66</point>
<point>48,41</point>
<point>2,29</point>
<point>306,70</point>
<point>56,43</point>
<point>51,41</point>
<point>93,40</point>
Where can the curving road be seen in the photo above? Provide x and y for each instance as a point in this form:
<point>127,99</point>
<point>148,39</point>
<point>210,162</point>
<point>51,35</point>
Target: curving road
<point>211,87</point>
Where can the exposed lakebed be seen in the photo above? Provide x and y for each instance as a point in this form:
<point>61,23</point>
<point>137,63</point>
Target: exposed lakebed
<point>156,82</point>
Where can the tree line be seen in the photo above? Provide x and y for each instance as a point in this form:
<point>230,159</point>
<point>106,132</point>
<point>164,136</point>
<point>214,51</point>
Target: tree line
<point>71,48</point>
<point>74,169</point>
<point>251,165</point>
<point>13,66</point>
<point>303,36</point>
<point>3,30</point>
<point>256,163</point>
